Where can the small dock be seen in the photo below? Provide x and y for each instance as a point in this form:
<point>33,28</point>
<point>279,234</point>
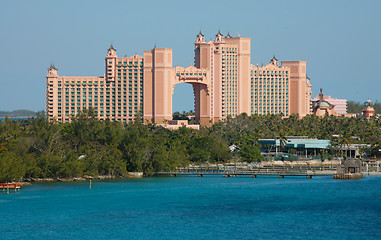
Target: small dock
<point>348,176</point>
<point>7,186</point>
<point>252,174</point>
<point>349,169</point>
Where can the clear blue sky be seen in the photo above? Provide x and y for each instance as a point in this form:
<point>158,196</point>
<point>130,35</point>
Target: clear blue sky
<point>340,40</point>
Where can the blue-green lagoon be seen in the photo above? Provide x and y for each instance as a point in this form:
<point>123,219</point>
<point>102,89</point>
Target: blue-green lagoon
<point>189,207</point>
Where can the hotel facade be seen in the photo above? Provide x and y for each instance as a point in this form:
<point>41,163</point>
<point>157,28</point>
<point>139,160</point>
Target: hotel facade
<point>224,82</point>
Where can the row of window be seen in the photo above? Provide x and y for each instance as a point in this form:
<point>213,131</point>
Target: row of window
<point>66,120</point>
<point>228,48</point>
<point>82,82</point>
<point>272,112</point>
<point>130,63</point>
<point>107,114</point>
<point>269,72</point>
<point>191,74</point>
<point>139,70</point>
<point>272,86</point>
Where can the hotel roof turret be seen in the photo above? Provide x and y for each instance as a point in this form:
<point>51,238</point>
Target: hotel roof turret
<point>200,38</point>
<point>219,38</point>
<point>52,70</point>
<point>274,61</point>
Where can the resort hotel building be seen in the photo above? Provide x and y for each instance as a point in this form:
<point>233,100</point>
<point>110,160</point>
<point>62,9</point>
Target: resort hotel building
<point>340,105</point>
<point>223,79</point>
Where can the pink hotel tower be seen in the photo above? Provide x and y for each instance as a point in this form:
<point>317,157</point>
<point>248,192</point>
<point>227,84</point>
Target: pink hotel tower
<point>224,83</point>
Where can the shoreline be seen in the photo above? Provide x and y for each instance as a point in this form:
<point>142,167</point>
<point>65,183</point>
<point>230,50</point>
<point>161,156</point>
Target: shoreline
<point>104,177</point>
<point>29,181</point>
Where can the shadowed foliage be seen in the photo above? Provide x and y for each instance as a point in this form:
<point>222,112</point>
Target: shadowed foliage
<point>36,148</point>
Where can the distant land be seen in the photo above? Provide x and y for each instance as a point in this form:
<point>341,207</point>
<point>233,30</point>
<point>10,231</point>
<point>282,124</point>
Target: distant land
<point>352,107</point>
<point>18,114</point>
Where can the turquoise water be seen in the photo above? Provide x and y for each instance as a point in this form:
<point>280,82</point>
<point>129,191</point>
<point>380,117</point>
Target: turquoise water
<point>211,207</point>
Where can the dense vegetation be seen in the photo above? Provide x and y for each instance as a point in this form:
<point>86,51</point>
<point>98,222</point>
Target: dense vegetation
<point>183,116</point>
<point>36,148</point>
<point>190,116</point>
<point>357,107</point>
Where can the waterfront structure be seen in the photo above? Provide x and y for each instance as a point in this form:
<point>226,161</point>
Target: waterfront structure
<point>309,147</point>
<point>340,105</point>
<point>349,169</point>
<point>356,150</point>
<point>7,186</point>
<point>224,84</point>
<point>302,145</point>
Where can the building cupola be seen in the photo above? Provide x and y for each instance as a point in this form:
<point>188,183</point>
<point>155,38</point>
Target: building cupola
<point>111,59</point>
<point>111,52</point>
<point>200,38</point>
<point>219,38</point>
<point>274,61</point>
<point>52,70</point>
<point>368,110</point>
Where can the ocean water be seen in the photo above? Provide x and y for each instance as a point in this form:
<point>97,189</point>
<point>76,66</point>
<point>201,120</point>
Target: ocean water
<point>189,207</point>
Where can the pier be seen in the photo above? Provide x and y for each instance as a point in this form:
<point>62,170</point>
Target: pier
<point>7,186</point>
<point>280,171</point>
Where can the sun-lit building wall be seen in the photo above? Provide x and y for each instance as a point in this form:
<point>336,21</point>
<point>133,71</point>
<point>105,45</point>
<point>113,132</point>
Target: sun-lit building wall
<point>118,96</point>
<point>224,84</point>
<point>270,89</point>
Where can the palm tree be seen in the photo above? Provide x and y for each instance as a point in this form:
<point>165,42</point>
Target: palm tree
<point>282,140</point>
<point>344,141</point>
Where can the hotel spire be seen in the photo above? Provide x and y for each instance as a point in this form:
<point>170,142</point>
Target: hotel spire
<point>111,52</point>
<point>52,70</point>
<point>274,61</point>
<point>219,37</point>
<point>200,38</point>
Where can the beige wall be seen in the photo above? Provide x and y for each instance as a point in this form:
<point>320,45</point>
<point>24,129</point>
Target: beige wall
<point>162,88</point>
<point>299,102</point>
<point>244,52</point>
<point>270,87</point>
<point>147,87</point>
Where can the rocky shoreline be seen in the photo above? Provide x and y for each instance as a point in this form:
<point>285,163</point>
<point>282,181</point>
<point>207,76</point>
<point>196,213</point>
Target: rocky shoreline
<point>28,181</point>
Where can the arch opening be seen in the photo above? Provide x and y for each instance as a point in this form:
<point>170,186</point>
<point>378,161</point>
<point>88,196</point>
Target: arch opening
<point>183,98</point>
<point>189,101</point>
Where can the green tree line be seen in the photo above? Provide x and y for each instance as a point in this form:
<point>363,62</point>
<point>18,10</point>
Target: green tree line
<point>37,148</point>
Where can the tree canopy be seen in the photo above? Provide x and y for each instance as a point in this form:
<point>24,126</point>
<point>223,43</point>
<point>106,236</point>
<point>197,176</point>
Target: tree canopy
<point>37,148</point>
